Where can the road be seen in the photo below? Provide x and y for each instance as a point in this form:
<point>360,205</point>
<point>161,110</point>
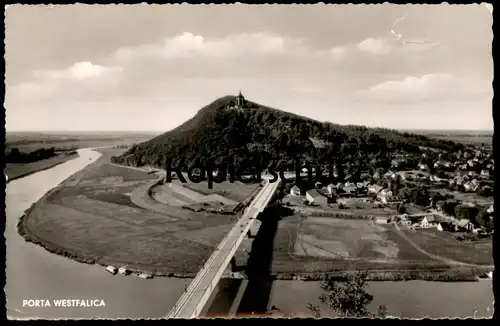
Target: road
<point>200,289</point>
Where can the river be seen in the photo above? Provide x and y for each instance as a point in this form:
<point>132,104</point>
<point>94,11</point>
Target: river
<point>411,299</point>
<point>34,273</point>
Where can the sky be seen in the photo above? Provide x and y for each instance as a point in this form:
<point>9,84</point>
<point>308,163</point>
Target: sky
<point>152,67</point>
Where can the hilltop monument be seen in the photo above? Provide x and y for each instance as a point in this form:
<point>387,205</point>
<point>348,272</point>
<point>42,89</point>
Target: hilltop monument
<point>239,102</point>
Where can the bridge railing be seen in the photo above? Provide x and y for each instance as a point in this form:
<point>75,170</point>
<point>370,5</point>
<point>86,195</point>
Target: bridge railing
<point>185,297</point>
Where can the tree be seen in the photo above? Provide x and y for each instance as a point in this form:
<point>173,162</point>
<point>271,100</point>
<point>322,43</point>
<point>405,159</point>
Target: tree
<point>349,298</point>
<point>316,312</point>
<point>382,311</point>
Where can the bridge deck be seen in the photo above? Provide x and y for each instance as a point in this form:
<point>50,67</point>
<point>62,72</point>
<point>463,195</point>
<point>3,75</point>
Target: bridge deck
<point>199,291</point>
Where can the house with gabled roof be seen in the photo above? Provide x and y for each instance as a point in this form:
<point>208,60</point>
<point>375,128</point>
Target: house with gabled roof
<point>465,224</point>
<point>420,221</point>
<point>313,196</point>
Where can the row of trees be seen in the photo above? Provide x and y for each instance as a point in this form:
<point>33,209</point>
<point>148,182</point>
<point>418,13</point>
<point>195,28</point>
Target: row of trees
<point>16,156</point>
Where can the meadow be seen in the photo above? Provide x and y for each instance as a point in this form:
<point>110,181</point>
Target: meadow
<point>312,246</point>
<point>64,143</point>
<point>102,215</point>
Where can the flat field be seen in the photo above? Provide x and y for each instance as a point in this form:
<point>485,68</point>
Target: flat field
<point>470,197</point>
<point>312,245</point>
<point>236,192</point>
<point>18,170</point>
<point>444,244</point>
<point>100,215</point>
<point>30,141</point>
<point>177,194</point>
<point>475,137</point>
<point>350,239</point>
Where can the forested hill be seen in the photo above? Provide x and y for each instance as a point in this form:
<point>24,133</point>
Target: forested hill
<point>227,135</point>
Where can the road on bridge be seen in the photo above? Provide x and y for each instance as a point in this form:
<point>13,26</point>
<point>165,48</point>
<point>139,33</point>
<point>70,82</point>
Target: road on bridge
<point>200,289</point>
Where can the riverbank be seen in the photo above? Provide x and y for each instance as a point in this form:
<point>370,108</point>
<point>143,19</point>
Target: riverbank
<point>452,274</point>
<point>33,272</point>
<point>16,171</point>
<point>377,273</point>
<point>441,274</point>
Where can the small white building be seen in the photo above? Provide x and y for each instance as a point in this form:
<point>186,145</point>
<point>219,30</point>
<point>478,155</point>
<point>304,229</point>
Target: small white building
<point>421,222</point>
<point>373,189</point>
<point>295,191</point>
<point>485,173</point>
<point>313,196</point>
<point>439,227</point>
<point>424,167</point>
<point>331,188</point>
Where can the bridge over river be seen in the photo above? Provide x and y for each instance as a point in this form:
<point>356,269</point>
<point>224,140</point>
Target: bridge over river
<point>198,293</point>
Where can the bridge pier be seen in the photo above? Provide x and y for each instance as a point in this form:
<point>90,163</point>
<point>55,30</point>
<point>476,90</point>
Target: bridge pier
<point>234,267</point>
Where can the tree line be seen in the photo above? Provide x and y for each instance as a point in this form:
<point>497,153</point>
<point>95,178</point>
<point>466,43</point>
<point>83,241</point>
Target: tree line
<point>16,156</point>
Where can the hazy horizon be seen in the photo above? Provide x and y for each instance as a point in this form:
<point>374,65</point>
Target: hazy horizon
<point>483,131</point>
<point>149,68</point>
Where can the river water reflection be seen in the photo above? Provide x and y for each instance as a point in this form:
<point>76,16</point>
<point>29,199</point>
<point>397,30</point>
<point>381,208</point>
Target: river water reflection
<point>411,299</point>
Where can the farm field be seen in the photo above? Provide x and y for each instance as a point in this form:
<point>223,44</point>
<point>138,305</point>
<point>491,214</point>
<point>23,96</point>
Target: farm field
<point>177,194</point>
<point>445,245</point>
<point>473,137</point>
<point>316,245</point>
<point>334,210</point>
<point>236,192</point>
<point>94,217</point>
<point>30,141</point>
<point>467,197</point>
<point>18,170</point>
<point>350,239</point>
<point>487,140</point>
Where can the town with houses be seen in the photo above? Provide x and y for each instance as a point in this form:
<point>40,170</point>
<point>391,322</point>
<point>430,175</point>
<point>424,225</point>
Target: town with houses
<point>450,192</point>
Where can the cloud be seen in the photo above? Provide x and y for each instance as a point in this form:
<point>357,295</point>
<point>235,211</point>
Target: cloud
<point>382,47</point>
<point>430,87</point>
<point>234,45</point>
<point>78,71</point>
<point>81,80</point>
<point>375,46</point>
<point>338,51</point>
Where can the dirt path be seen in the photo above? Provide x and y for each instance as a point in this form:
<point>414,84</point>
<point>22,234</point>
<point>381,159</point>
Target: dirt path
<point>439,258</point>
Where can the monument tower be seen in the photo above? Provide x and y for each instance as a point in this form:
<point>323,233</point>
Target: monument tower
<point>240,101</point>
